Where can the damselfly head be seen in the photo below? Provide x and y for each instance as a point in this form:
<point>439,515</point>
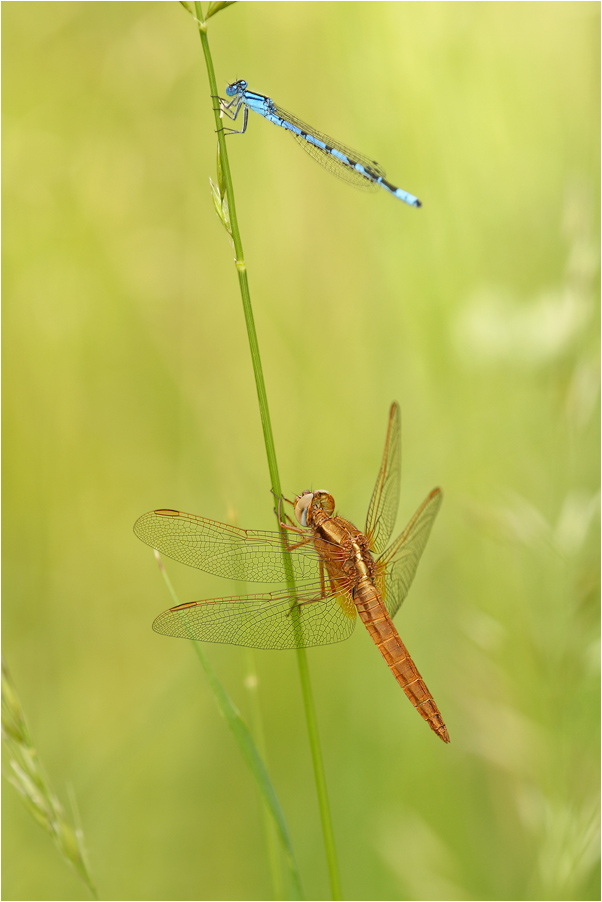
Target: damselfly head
<point>237,87</point>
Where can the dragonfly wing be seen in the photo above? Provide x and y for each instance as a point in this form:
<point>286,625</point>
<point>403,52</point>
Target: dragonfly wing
<point>384,503</point>
<point>223,550</point>
<point>262,621</point>
<point>333,164</point>
<point>401,560</point>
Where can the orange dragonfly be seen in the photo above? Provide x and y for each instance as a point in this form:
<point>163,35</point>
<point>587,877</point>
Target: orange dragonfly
<point>339,572</point>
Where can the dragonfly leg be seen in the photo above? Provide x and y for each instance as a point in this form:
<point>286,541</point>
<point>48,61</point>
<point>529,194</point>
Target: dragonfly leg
<point>322,584</point>
<point>288,523</point>
<point>303,541</point>
<point>282,498</point>
<point>302,604</point>
<point>324,593</point>
<point>278,511</point>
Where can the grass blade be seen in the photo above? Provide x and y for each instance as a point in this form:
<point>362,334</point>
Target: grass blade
<point>249,751</point>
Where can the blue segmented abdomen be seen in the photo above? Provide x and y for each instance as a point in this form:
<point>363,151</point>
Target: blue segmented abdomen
<point>342,161</point>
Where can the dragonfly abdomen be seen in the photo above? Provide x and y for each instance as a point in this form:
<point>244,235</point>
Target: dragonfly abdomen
<point>377,621</point>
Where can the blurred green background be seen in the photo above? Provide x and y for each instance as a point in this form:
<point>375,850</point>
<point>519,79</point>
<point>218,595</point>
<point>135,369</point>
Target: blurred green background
<point>128,386</point>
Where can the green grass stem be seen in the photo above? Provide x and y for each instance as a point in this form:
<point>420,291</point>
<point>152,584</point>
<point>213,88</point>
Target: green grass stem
<point>230,220</point>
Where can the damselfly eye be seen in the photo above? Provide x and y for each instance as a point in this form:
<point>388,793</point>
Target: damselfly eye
<point>237,87</point>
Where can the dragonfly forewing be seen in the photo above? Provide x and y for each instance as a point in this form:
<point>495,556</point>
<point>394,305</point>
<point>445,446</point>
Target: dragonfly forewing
<point>335,573</point>
<point>223,550</point>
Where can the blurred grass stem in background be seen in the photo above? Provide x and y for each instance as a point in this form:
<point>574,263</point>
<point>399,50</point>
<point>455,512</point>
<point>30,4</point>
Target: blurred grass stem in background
<point>253,759</point>
<point>31,783</point>
<point>231,224</point>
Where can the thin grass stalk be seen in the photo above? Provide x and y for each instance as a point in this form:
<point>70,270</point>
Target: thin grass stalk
<point>241,268</point>
<point>29,779</point>
<point>271,840</point>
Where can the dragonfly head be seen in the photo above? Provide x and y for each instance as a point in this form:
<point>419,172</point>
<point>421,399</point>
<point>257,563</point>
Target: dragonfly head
<point>308,502</point>
<point>237,87</point>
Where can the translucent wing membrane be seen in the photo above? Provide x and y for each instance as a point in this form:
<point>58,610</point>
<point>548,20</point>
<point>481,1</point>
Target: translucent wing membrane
<point>263,621</point>
<point>384,503</point>
<point>333,164</point>
<point>402,558</point>
<point>227,551</point>
<point>335,575</point>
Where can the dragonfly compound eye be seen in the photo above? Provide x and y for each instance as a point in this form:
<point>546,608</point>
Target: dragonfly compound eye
<point>302,503</point>
<point>324,501</point>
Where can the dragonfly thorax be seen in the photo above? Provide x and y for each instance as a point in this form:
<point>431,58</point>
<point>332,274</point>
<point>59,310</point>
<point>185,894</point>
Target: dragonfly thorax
<point>308,502</point>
